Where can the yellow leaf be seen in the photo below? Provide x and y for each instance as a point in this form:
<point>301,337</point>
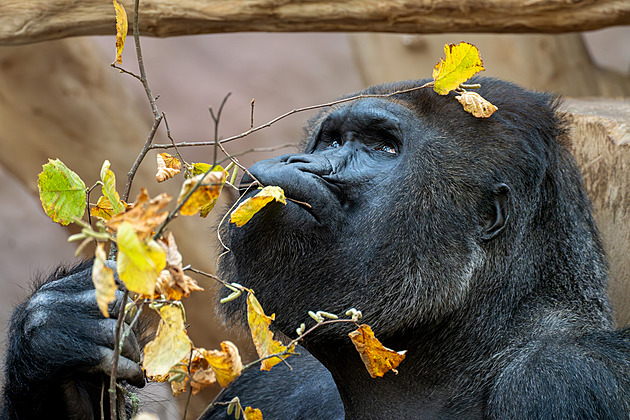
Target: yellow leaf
<point>205,196</point>
<point>171,343</point>
<point>103,209</point>
<point>246,210</point>
<point>121,30</point>
<point>252,414</point>
<point>103,278</point>
<point>461,63</point>
<point>377,359</point>
<point>109,188</point>
<point>167,167</point>
<point>476,104</point>
<point>226,363</point>
<point>139,262</point>
<point>144,215</point>
<point>62,192</point>
<point>173,283</point>
<point>262,336</point>
<point>201,168</point>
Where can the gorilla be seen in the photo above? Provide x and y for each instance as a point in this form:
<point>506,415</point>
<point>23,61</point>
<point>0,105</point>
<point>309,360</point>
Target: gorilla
<point>468,242</point>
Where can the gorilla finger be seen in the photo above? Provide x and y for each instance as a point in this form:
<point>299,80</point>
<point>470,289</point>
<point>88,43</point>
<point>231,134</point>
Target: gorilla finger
<point>128,370</point>
<point>117,305</point>
<point>130,348</point>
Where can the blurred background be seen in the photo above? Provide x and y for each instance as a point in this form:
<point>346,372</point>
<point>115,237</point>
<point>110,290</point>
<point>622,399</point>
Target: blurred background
<point>61,99</point>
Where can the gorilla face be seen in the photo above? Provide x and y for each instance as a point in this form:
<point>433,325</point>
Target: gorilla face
<point>400,204</point>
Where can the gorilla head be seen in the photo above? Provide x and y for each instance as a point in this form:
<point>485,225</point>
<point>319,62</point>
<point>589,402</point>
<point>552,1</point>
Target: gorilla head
<point>458,238</point>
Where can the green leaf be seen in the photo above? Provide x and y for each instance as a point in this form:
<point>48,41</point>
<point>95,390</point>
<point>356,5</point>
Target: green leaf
<point>62,192</point>
<point>139,262</point>
<point>109,188</point>
<point>462,62</point>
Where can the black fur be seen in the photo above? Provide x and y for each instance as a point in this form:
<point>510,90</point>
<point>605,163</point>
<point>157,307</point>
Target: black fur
<point>472,246</point>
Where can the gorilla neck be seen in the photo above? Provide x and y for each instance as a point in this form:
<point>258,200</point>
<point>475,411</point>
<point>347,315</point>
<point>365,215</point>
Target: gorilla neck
<point>441,377</point>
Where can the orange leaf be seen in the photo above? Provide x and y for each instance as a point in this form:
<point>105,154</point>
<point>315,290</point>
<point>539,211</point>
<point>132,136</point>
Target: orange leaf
<point>248,208</point>
<point>252,414</point>
<point>377,359</point>
<point>226,363</point>
<point>144,215</point>
<point>203,199</point>
<point>121,30</point>
<point>461,62</point>
<point>476,104</point>
<point>262,336</point>
<point>167,167</point>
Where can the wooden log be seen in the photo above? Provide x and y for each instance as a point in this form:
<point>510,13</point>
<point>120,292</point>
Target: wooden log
<point>37,20</point>
<point>600,133</point>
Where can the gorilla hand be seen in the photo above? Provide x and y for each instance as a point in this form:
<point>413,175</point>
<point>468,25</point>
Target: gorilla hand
<point>61,350</point>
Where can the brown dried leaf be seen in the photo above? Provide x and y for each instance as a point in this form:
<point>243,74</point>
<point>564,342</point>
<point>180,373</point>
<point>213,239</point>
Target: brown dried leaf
<point>475,104</point>
<point>167,167</point>
<point>205,196</point>
<point>226,363</point>
<point>262,336</point>
<point>103,278</point>
<point>377,359</point>
<point>144,215</point>
<point>173,283</point>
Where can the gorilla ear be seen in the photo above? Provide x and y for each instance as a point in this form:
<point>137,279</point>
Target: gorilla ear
<point>498,217</point>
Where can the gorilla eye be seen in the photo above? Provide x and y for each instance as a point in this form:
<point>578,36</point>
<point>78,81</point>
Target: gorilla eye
<point>334,144</point>
<point>386,148</point>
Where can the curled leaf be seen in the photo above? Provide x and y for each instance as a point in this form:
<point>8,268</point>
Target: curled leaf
<point>262,336</point>
<point>139,261</point>
<point>203,199</point>
<point>103,278</point>
<point>475,104</point>
<point>226,363</point>
<point>248,208</point>
<point>172,282</point>
<point>121,30</point>
<point>377,359</point>
<point>171,343</point>
<point>167,167</point>
<point>109,188</point>
<point>62,192</point>
<point>461,62</point>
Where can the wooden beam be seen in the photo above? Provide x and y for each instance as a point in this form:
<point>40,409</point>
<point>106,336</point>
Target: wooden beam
<point>23,22</point>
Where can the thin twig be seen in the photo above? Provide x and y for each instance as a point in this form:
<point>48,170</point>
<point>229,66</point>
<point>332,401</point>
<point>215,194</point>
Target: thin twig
<point>216,119</point>
<point>125,71</point>
<point>112,380</point>
<point>251,118</point>
<point>168,134</point>
<point>145,149</point>
<point>143,74</point>
<point>294,111</point>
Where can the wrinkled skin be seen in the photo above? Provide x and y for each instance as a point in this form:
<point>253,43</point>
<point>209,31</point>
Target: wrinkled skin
<point>467,242</point>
